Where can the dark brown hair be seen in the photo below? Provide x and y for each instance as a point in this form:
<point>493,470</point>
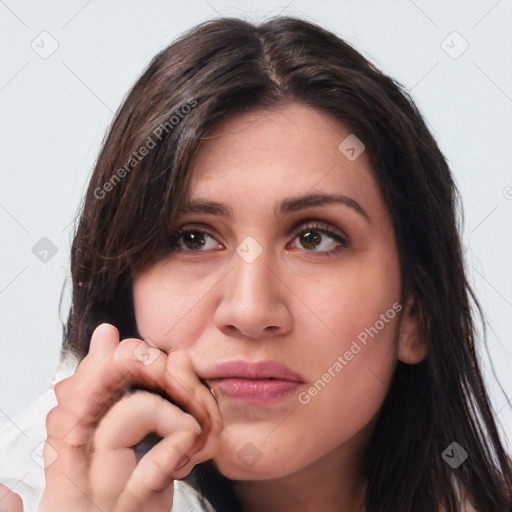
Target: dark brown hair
<point>228,66</point>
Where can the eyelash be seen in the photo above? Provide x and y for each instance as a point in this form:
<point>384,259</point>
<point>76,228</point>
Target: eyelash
<point>322,228</point>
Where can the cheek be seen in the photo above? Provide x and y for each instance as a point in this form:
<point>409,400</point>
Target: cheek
<point>354,379</point>
<point>353,374</point>
<point>353,371</point>
<point>350,299</point>
<point>168,307</point>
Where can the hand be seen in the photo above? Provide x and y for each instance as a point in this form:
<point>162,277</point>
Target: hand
<point>9,500</point>
<point>99,418</point>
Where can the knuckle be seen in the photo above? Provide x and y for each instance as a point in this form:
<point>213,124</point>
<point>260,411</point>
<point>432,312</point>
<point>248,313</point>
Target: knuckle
<point>61,388</point>
<point>155,472</point>
<point>53,421</point>
<point>63,425</point>
<point>131,497</point>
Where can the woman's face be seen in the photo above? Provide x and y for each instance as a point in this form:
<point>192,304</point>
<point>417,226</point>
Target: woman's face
<point>300,266</point>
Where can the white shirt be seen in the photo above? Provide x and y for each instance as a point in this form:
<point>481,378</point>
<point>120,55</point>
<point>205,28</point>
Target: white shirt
<point>21,448</point>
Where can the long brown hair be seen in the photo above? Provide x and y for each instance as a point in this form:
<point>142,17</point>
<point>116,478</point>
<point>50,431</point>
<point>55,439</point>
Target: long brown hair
<point>227,66</point>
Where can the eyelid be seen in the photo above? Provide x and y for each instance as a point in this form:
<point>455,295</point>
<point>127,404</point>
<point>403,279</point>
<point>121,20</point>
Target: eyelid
<point>305,224</point>
<point>313,224</point>
<point>178,232</point>
<point>320,226</point>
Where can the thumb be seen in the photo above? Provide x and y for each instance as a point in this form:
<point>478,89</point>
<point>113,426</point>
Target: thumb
<point>10,501</point>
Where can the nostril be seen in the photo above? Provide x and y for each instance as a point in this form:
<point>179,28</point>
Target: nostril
<point>234,331</point>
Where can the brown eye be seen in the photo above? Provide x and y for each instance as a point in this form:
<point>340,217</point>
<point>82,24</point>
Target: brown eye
<point>320,238</point>
<point>311,239</point>
<point>193,240</point>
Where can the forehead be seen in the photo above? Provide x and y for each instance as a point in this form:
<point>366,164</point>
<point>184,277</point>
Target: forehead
<point>258,157</point>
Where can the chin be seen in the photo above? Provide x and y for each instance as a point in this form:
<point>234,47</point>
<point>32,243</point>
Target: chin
<point>236,470</point>
<point>244,461</point>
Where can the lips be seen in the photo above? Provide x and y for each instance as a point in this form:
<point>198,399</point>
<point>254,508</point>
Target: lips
<point>256,383</point>
<point>246,370</point>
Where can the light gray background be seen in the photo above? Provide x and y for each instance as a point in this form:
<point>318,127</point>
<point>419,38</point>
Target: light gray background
<point>54,112</point>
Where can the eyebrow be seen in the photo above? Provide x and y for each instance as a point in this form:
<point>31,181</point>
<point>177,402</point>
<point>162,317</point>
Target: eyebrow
<point>288,205</point>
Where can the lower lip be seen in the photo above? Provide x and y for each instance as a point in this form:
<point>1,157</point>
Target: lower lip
<point>257,391</point>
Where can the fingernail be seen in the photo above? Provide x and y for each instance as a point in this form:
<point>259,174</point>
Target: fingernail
<point>182,461</point>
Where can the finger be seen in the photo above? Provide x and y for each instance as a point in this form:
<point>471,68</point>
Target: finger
<point>104,341</point>
<point>126,423</point>
<point>157,470</point>
<point>66,477</point>
<point>158,502</point>
<point>9,500</point>
<point>60,421</point>
<point>90,394</point>
<point>138,414</point>
<point>194,397</point>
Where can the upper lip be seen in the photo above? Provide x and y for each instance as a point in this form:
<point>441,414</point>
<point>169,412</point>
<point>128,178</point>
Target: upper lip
<point>251,370</point>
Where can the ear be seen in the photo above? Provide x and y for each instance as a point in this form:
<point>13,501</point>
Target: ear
<point>412,340</point>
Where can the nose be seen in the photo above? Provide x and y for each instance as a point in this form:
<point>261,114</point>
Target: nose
<point>254,302</point>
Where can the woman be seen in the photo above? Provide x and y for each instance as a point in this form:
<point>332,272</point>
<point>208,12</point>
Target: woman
<point>270,213</point>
